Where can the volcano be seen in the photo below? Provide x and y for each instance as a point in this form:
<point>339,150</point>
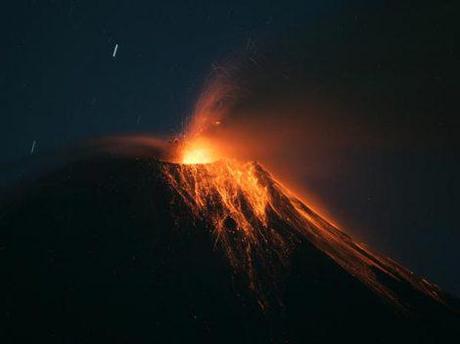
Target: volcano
<point>133,250</point>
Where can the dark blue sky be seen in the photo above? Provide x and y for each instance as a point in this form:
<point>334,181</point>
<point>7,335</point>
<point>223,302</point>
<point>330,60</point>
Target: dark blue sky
<point>391,67</point>
<point>60,83</point>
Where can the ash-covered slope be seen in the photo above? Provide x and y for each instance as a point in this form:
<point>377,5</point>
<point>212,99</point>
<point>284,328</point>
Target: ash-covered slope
<point>136,250</point>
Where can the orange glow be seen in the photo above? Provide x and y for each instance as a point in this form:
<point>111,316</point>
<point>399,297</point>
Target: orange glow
<point>197,152</point>
<point>197,155</point>
<point>257,222</point>
<point>231,182</point>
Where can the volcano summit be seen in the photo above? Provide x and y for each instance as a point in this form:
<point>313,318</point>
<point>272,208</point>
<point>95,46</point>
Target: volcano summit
<point>131,249</point>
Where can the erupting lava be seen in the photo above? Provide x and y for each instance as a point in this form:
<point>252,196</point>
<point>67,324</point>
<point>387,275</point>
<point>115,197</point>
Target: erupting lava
<point>197,152</point>
<point>258,223</point>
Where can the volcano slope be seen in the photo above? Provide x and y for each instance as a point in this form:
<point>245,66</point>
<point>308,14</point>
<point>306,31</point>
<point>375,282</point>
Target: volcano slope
<point>135,250</point>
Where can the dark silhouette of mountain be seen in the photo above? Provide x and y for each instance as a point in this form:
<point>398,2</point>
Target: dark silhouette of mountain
<point>114,249</point>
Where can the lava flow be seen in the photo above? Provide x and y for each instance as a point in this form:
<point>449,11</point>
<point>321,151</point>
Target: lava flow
<point>258,223</point>
<point>256,220</point>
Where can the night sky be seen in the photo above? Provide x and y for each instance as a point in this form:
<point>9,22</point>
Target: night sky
<point>388,69</point>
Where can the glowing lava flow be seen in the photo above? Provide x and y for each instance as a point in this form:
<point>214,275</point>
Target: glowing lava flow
<point>258,223</point>
<point>255,220</point>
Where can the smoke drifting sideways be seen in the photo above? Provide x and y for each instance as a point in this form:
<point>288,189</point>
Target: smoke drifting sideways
<point>132,145</point>
<point>22,171</point>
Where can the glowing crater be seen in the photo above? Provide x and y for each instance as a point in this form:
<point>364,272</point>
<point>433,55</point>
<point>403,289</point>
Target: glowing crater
<point>198,152</point>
